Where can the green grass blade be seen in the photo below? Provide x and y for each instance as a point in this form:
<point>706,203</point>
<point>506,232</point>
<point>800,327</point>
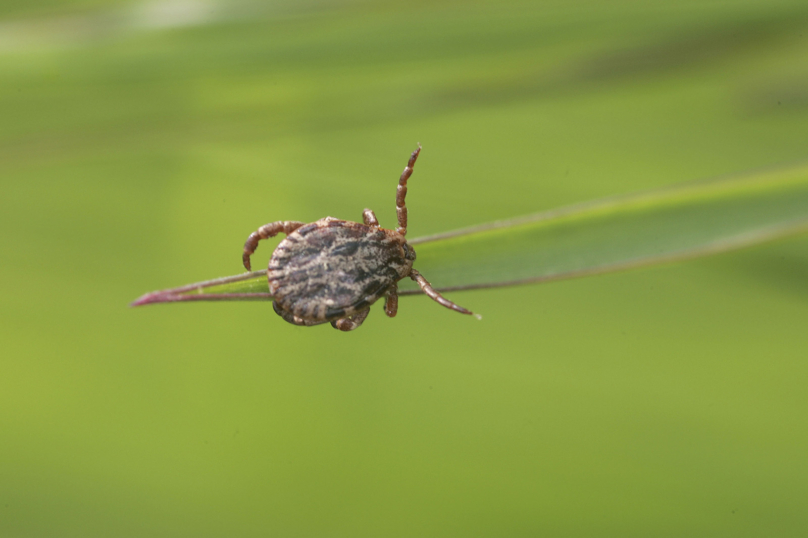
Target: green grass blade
<point>687,221</point>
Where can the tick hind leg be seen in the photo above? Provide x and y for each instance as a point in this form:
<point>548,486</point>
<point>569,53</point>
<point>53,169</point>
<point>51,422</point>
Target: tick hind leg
<point>352,322</point>
<point>427,288</point>
<point>265,232</point>
<point>291,318</point>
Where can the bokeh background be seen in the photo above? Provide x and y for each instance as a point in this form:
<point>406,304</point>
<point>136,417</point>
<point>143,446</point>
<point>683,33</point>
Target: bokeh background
<point>140,143</point>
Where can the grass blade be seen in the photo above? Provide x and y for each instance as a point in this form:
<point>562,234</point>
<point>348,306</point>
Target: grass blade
<point>250,286</point>
<point>682,222</point>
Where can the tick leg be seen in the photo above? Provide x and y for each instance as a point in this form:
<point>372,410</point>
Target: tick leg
<point>265,232</point>
<point>401,193</point>
<point>352,322</point>
<point>391,304</point>
<point>369,218</point>
<point>291,318</point>
<point>427,288</point>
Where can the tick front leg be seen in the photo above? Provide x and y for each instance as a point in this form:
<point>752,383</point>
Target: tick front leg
<point>369,218</point>
<point>401,193</point>
<point>427,288</point>
<point>352,322</point>
<point>265,232</point>
<point>391,304</point>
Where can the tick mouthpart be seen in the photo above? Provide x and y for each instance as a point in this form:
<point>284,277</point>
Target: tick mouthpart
<point>409,252</point>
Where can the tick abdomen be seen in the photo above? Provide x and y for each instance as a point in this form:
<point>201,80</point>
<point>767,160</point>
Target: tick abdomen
<point>333,268</point>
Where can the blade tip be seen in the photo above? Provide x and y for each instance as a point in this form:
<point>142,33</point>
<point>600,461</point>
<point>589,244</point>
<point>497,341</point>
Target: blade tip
<point>149,298</point>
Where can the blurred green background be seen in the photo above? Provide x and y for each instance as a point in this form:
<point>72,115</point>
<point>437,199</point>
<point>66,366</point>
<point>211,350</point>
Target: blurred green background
<point>140,143</point>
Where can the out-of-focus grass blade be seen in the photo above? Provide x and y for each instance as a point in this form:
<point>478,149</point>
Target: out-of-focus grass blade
<point>618,233</point>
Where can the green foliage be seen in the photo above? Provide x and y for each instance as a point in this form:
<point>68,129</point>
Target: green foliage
<point>138,152</point>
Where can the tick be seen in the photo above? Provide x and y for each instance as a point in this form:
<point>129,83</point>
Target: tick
<point>332,270</point>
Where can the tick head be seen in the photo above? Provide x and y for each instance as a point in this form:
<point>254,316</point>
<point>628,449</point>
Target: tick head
<point>409,252</point>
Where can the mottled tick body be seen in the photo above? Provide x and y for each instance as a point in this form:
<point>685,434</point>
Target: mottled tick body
<point>332,270</point>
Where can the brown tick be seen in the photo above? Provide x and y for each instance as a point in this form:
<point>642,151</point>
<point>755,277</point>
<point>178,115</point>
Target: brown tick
<point>333,270</point>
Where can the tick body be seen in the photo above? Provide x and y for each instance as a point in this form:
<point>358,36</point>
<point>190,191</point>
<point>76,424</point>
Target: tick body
<point>332,270</point>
